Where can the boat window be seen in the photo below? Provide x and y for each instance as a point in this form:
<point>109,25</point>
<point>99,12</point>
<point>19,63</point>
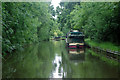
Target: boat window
<point>76,40</point>
<point>76,34</point>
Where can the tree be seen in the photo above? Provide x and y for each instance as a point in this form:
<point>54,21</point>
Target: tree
<point>24,23</point>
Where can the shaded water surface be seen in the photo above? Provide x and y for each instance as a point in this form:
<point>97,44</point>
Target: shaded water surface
<point>53,60</point>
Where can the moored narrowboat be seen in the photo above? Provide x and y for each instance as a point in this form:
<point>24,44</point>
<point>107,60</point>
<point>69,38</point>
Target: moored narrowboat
<point>57,38</point>
<point>75,39</point>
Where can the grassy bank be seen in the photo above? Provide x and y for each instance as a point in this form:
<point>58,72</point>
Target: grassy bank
<point>105,59</point>
<point>103,45</point>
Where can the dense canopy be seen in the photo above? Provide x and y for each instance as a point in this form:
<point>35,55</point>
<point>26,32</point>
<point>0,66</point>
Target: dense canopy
<point>25,23</point>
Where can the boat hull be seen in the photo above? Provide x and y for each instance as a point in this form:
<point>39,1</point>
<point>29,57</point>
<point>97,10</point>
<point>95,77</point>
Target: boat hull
<point>75,45</point>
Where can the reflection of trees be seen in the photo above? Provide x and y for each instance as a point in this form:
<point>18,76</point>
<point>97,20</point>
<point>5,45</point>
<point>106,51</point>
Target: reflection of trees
<point>34,62</point>
<point>19,64</point>
<point>66,66</point>
<point>45,57</point>
<point>72,63</point>
<point>45,51</point>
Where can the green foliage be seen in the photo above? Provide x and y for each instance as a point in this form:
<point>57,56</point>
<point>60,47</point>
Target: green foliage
<point>51,10</point>
<point>32,22</point>
<point>103,45</point>
<point>104,58</point>
<point>24,23</point>
<point>64,18</point>
<point>55,31</point>
<point>98,21</point>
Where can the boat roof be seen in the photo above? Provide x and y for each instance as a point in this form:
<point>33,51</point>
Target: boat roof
<point>77,32</point>
<point>74,30</point>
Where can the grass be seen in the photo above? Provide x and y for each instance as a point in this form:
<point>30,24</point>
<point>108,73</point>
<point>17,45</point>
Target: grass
<point>103,45</point>
<point>103,58</point>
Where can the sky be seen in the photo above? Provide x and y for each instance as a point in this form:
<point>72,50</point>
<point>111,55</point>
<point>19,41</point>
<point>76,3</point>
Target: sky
<point>55,3</point>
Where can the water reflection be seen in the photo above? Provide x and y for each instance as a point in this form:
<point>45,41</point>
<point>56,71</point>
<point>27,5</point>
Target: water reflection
<point>76,55</point>
<point>71,62</point>
<point>58,71</point>
<point>53,60</point>
<point>79,63</point>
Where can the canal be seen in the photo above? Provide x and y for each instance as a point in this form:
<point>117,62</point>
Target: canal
<point>53,60</point>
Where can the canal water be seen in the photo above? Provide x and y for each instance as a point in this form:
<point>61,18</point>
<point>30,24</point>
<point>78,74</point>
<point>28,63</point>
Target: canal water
<point>53,60</point>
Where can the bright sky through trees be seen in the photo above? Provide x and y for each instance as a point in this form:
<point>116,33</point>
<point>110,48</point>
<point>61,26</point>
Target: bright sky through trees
<point>55,3</point>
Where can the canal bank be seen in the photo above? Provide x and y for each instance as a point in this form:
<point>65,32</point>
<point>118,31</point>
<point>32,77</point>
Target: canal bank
<point>108,49</point>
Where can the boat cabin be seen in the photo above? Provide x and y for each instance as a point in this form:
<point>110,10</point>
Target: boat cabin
<point>75,39</point>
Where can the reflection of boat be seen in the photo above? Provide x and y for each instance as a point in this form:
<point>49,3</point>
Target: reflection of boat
<point>72,61</point>
<point>75,39</point>
<point>76,54</point>
<point>76,51</point>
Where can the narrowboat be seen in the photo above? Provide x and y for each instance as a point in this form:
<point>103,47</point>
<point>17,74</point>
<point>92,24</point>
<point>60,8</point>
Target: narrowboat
<point>75,39</point>
<point>57,38</point>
